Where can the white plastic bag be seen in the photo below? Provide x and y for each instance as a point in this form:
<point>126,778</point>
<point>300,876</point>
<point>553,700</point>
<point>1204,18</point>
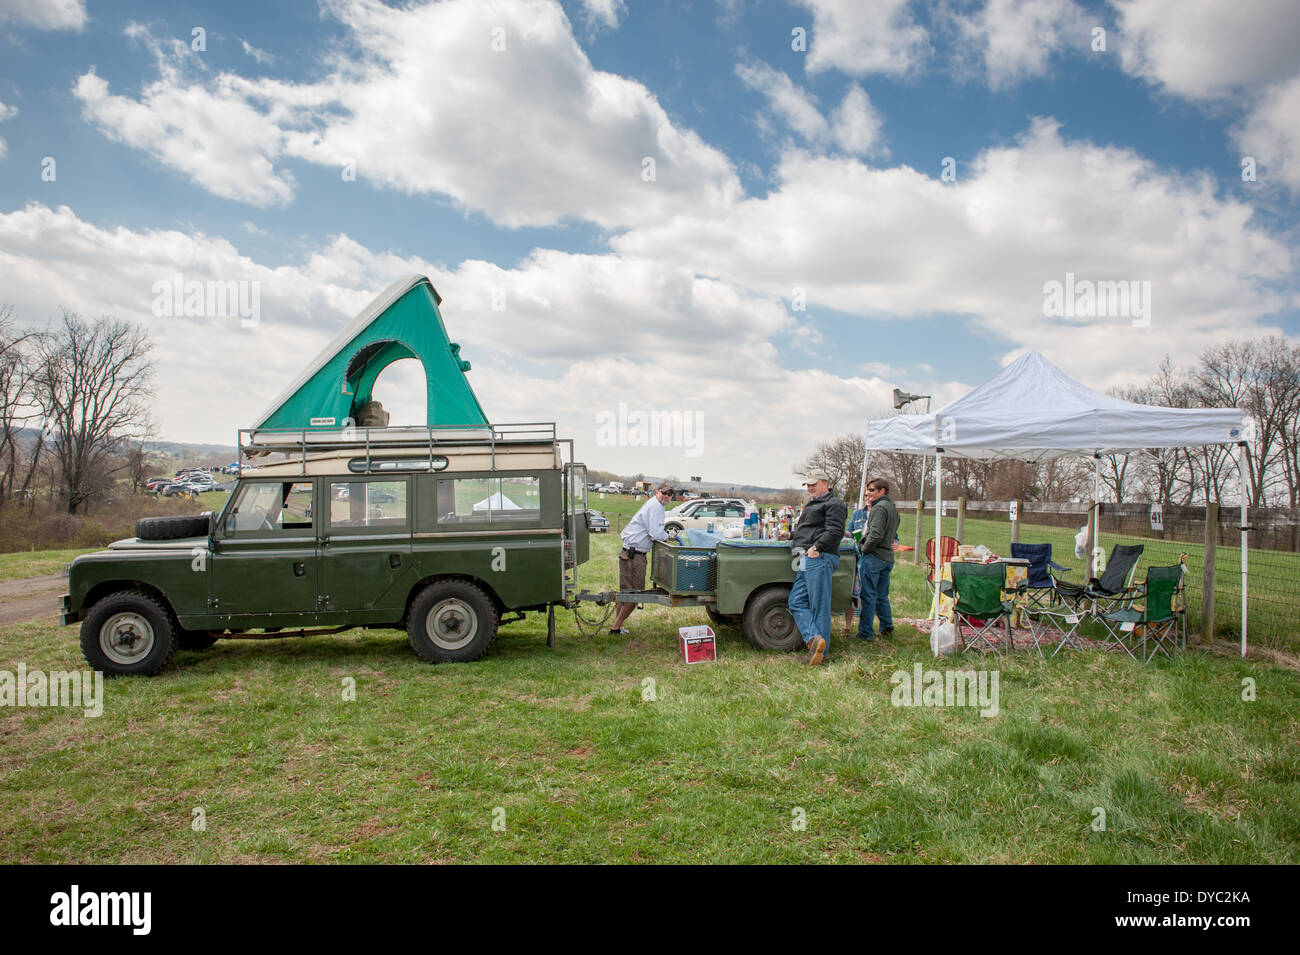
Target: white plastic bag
<point>943,638</point>
<point>1081,543</point>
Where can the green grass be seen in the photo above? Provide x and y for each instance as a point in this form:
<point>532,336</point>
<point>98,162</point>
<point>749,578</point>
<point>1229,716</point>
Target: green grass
<point>586,769</point>
<point>36,563</point>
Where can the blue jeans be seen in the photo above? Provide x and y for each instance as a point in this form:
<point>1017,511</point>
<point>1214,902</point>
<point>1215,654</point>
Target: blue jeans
<point>873,581</point>
<point>810,597</point>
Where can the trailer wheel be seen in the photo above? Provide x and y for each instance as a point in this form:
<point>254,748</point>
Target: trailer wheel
<point>768,623</point>
<point>128,633</point>
<point>452,621</point>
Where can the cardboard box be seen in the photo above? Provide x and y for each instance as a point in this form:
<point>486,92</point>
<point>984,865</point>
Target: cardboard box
<point>698,644</point>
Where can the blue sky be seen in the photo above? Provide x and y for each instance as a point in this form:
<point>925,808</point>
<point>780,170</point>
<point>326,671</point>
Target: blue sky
<point>781,173</point>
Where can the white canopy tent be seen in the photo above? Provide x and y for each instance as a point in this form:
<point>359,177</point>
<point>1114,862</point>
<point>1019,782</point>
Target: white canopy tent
<point>497,502</point>
<point>1032,411</point>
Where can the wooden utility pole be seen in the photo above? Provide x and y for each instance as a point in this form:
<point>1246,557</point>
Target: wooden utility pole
<point>961,520</point>
<point>918,554</point>
<point>1207,572</point>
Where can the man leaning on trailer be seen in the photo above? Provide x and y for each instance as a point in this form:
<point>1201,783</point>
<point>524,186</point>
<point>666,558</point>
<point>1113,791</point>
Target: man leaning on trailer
<point>646,527</point>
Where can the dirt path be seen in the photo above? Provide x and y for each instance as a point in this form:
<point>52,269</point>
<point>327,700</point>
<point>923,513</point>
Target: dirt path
<point>30,598</point>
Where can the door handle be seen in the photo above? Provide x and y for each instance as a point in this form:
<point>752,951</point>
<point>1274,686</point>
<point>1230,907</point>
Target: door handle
<point>395,561</point>
<point>299,569</point>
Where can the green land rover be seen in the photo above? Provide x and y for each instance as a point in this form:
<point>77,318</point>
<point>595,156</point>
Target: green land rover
<point>446,533</point>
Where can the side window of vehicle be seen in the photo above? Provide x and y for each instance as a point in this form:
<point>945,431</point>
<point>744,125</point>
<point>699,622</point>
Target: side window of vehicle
<point>734,511</point>
<point>488,500</point>
<point>272,506</point>
<point>367,504</point>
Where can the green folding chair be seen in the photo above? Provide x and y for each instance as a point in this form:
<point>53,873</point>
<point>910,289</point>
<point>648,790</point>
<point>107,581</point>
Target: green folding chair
<point>978,589</point>
<point>1157,621</point>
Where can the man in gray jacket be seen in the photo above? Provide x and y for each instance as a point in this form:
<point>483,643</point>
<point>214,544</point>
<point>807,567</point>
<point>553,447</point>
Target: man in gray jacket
<point>877,561</point>
<point>817,535</point>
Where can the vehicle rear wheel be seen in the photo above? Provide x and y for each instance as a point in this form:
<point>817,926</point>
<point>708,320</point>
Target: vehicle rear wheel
<point>673,528</point>
<point>768,623</point>
<point>128,633</point>
<point>452,621</point>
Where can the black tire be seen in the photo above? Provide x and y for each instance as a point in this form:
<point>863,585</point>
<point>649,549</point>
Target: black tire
<point>768,622</point>
<point>194,639</point>
<point>723,619</point>
<point>129,633</point>
<point>171,528</point>
<point>673,528</point>
<point>462,618</point>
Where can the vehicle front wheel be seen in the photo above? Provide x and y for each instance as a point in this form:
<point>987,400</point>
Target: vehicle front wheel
<point>452,621</point>
<point>128,633</point>
<point>673,528</point>
<point>768,623</point>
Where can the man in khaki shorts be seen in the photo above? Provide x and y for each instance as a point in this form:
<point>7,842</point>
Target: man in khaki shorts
<point>646,527</point>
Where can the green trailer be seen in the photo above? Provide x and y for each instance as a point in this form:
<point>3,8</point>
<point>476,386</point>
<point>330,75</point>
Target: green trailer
<point>736,582</point>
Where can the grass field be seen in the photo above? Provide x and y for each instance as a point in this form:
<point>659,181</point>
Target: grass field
<point>572,754</point>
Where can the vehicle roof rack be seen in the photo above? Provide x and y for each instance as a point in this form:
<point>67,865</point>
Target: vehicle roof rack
<point>298,442</point>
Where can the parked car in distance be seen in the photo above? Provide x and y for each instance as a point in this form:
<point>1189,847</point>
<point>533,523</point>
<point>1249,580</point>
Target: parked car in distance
<point>699,514</point>
<point>597,522</point>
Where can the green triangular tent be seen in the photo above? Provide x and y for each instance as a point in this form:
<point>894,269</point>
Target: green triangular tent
<point>403,322</point>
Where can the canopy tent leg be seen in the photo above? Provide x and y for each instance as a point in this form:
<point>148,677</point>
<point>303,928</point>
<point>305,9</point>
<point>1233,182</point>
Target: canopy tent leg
<point>1098,555</point>
<point>938,530</point>
<point>1245,540</point>
<point>862,488</point>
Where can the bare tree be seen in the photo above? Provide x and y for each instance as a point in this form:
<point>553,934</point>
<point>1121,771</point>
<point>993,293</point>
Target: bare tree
<point>93,384</point>
<point>16,404</point>
<point>841,459</point>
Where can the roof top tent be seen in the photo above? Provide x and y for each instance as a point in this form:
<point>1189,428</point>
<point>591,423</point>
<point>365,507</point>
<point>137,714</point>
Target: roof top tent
<point>402,322</point>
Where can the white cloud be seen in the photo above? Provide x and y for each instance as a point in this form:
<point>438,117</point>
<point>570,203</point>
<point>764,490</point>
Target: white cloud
<point>861,38</point>
<point>529,134</point>
<point>6,112</point>
<point>261,56</point>
<point>1271,135</point>
<point>577,335</point>
<point>1204,49</point>
<point>605,13</point>
<point>1016,39</point>
<point>895,242</point>
<point>44,14</point>
<point>854,127</point>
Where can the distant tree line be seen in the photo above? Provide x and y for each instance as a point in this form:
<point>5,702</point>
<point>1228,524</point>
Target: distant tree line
<point>1260,376</point>
<point>84,388</point>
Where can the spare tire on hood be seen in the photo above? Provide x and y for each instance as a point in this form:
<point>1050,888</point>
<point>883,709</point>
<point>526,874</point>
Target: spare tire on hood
<point>171,528</point>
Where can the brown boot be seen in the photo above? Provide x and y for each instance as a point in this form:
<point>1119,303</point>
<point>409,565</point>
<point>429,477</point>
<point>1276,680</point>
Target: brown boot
<point>816,652</point>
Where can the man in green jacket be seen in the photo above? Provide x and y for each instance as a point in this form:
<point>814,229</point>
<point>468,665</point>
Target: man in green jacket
<point>877,561</point>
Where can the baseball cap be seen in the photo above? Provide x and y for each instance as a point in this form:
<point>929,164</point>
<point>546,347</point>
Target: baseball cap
<point>815,475</point>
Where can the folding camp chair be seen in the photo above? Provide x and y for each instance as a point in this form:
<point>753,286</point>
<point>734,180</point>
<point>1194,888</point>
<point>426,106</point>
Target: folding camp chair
<point>947,551</point>
<point>1062,621</point>
<point>1157,622</point>
<point>1114,590</point>
<point>979,606</point>
<point>1040,585</point>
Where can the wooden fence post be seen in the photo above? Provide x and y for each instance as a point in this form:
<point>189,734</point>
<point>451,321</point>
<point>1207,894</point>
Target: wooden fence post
<point>918,552</point>
<point>1207,572</point>
<point>1015,525</point>
<point>961,520</point>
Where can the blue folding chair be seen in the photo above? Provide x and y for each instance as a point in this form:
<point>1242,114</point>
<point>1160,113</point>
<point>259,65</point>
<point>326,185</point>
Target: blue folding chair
<point>1040,585</point>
